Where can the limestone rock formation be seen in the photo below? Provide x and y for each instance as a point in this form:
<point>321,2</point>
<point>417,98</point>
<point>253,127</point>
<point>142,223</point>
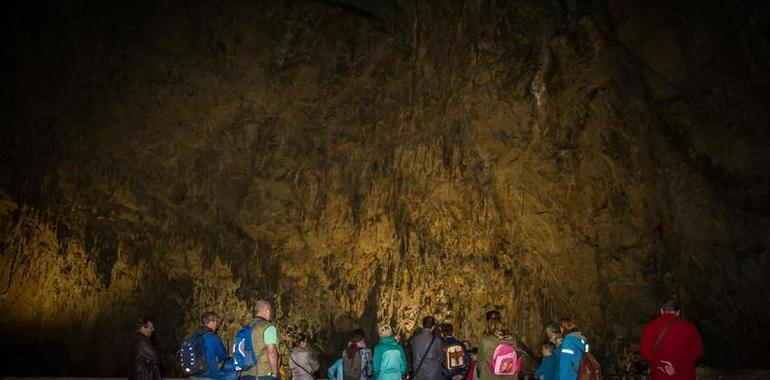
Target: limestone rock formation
<point>366,162</point>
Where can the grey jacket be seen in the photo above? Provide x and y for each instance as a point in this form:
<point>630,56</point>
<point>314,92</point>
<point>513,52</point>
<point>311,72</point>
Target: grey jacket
<point>431,365</point>
<point>302,359</point>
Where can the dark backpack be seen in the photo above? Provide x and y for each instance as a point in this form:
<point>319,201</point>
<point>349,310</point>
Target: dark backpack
<point>589,369</point>
<point>192,355</point>
<point>351,367</point>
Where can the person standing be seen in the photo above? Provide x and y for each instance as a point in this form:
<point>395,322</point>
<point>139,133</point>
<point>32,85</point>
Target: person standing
<point>264,338</point>
<point>357,358</point>
<point>456,362</point>
<point>144,356</point>
<point>573,346</point>
<point>671,345</point>
<point>216,354</point>
<point>389,358</point>
<point>302,362</point>
<point>494,335</point>
<point>426,352</point>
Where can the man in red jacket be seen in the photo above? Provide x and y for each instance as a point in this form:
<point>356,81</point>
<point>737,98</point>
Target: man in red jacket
<point>671,345</point>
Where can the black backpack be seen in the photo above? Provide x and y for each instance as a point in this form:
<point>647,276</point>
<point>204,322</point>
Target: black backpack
<point>192,355</point>
<point>351,367</point>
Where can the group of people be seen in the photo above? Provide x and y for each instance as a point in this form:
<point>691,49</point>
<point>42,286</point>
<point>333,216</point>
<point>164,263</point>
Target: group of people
<point>670,345</point>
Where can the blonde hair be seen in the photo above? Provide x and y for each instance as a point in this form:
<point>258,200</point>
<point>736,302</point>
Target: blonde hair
<point>385,331</point>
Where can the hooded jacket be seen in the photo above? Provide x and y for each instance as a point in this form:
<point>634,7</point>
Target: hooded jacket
<point>389,360</point>
<point>570,353</point>
<point>679,349</point>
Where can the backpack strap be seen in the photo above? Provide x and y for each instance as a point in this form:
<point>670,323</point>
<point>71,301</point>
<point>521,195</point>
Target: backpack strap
<point>301,367</point>
<point>663,333</point>
<point>422,360</point>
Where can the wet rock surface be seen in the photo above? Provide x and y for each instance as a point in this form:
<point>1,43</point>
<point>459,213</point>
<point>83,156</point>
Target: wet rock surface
<point>358,165</point>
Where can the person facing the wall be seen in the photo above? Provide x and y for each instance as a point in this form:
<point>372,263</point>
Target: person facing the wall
<point>264,338</point>
<point>389,357</point>
<point>671,345</point>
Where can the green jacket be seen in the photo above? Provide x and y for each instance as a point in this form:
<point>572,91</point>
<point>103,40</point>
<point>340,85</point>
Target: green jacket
<point>262,367</point>
<point>389,360</point>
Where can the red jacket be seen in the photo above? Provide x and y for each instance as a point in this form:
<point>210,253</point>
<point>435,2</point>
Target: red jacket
<point>675,357</point>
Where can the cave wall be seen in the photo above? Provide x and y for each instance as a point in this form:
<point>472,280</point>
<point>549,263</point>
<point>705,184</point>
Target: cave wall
<point>360,165</point>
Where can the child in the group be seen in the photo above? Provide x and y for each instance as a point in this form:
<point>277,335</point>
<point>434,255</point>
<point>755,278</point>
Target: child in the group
<point>548,368</point>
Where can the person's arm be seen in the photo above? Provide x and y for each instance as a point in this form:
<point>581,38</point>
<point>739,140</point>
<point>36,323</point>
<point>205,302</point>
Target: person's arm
<point>403,360</point>
<point>272,357</point>
<point>645,345</point>
<point>219,350</point>
<point>696,350</point>
<point>312,362</point>
<point>376,360</point>
<point>147,352</point>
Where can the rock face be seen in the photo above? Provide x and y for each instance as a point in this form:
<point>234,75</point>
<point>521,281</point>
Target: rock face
<point>367,162</point>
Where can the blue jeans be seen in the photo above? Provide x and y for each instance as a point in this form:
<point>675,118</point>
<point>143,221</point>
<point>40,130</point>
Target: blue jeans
<point>259,378</point>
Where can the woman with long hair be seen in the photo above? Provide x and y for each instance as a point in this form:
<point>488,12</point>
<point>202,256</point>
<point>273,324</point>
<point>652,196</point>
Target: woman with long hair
<point>357,358</point>
<point>571,351</point>
<point>494,334</point>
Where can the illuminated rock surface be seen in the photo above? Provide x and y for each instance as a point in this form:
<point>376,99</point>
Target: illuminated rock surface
<point>378,162</point>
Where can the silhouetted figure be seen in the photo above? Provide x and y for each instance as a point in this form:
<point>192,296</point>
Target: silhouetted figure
<point>144,356</point>
<point>671,345</point>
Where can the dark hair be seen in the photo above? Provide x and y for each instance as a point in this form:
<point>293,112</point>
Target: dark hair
<point>493,314</point>
<point>208,317</point>
<point>428,322</point>
<point>299,339</point>
<point>356,336</point>
<point>495,324</point>
<point>446,329</point>
<point>549,346</point>
<point>142,322</point>
<point>670,306</point>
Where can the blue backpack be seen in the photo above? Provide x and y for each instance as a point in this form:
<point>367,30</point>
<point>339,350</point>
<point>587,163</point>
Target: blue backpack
<point>243,350</point>
<point>192,355</point>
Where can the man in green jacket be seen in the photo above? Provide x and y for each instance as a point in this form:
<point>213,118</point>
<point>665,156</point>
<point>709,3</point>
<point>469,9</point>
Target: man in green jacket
<point>389,357</point>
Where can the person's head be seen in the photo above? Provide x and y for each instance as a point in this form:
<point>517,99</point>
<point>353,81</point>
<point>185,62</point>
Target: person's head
<point>145,326</point>
<point>446,329</point>
<point>548,348</point>
<point>429,322</point>
<point>552,330</point>
<point>355,343</point>
<point>385,331</point>
<point>494,323</point>
<point>263,309</point>
<point>210,320</point>
<point>670,307</point>
<point>300,341</point>
<point>568,326</point>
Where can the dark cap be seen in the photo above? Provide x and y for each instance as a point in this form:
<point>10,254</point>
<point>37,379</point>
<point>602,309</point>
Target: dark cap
<point>670,306</point>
